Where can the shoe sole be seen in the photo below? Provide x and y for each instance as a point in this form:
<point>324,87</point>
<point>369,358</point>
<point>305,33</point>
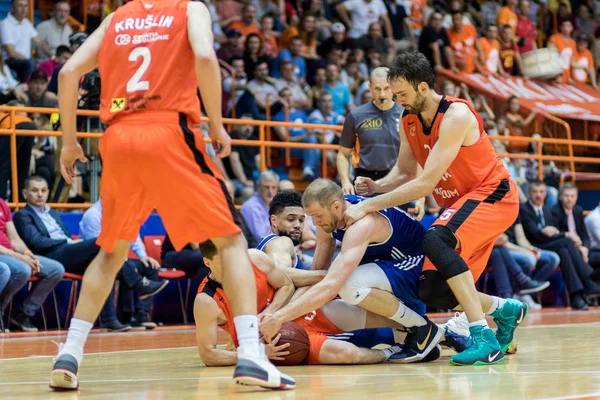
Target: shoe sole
<point>164,285</point>
<point>62,380</point>
<point>124,329</point>
<point>535,289</point>
<point>254,381</point>
<point>436,340</point>
<point>496,361</point>
<point>509,345</point>
<point>21,327</point>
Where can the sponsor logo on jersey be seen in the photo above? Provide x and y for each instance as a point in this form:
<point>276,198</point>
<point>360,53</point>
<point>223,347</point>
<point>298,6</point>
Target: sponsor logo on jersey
<point>122,39</point>
<point>151,21</point>
<point>117,104</point>
<point>371,123</point>
<point>149,38</point>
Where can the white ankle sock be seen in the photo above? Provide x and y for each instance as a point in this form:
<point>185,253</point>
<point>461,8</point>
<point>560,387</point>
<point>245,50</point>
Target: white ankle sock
<point>246,327</point>
<point>496,304</point>
<point>481,322</point>
<point>78,333</point>
<point>407,317</point>
<point>391,351</point>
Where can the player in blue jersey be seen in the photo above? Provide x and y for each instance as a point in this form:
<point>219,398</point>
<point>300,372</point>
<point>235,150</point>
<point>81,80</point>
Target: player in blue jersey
<point>377,269</point>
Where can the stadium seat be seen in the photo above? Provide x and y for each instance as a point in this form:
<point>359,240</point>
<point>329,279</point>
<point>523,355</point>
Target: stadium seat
<point>31,280</point>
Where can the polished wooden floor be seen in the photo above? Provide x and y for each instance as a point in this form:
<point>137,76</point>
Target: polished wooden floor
<point>558,357</point>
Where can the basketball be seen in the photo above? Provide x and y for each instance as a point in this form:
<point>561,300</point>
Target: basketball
<point>297,337</point>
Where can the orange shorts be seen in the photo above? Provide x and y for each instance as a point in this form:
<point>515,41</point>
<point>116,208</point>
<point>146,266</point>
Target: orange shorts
<point>317,326</point>
<point>157,162</point>
<point>477,219</point>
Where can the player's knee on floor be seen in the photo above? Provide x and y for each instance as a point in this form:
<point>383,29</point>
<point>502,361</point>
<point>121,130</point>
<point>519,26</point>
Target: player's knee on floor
<point>439,245</point>
<point>435,292</point>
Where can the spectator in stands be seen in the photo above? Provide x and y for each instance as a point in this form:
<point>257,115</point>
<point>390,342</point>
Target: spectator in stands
<point>489,52</point>
<point>243,161</point>
<point>540,228</point>
<point>526,32</point>
<point>10,89</point>
<point>55,31</point>
<point>374,39</point>
<point>402,26</point>
<point>63,53</point>
<point>454,7</point>
<point>418,15</point>
<point>508,16</point>
<point>489,11</point>
<point>265,7</point>
<point>139,277</point>
<point>188,259</point>
<point>435,44</point>
<point>254,53</point>
<point>24,147</point>
<point>583,69</point>
<point>286,184</point>
<point>516,123</point>
<point>370,134</point>
<point>338,36</point>
<point>294,55</point>
<point>247,24</point>
<point>288,80</point>
<point>537,263</point>
<point>585,22</point>
<point>269,36</point>
<point>38,94</point>
<point>592,224</point>
<point>508,275</point>
<point>18,265</point>
<point>310,157</point>
<point>566,48</point>
<point>45,233</point>
<point>364,13</point>
<point>569,218</point>
<point>242,96</point>
<point>509,53</point>
<point>463,43</point>
<point>318,87</point>
<point>326,115</point>
<point>18,35</point>
<point>342,100</point>
<point>233,47</point>
<point>42,154</point>
<point>256,209</point>
<point>308,35</point>
<point>75,40</point>
<point>262,86</point>
<point>351,76</point>
<point>229,11</point>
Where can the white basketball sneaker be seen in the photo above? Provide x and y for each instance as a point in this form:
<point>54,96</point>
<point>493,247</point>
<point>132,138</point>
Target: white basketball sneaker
<point>258,371</point>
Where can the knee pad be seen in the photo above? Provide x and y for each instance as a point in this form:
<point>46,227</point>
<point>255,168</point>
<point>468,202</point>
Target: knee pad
<point>435,292</point>
<point>439,245</point>
<point>354,291</point>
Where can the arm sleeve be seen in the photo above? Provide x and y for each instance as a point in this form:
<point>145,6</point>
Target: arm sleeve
<point>348,138</point>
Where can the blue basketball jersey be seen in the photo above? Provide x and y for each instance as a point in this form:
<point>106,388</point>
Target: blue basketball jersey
<point>263,243</point>
<point>404,243</point>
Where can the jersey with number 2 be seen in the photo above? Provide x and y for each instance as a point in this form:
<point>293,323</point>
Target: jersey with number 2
<point>146,62</point>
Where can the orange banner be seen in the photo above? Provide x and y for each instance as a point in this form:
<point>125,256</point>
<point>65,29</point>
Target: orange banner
<point>565,101</point>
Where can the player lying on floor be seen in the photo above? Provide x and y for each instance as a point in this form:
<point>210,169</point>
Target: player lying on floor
<point>377,269</point>
<point>211,310</point>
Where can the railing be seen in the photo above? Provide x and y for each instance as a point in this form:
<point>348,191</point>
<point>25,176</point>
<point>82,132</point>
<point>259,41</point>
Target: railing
<point>286,110</point>
<point>264,145</point>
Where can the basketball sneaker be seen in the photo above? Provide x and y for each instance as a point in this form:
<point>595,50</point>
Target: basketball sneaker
<point>258,371</point>
<point>64,373</point>
<point>420,341</point>
<point>508,317</point>
<point>453,340</point>
<point>482,348</point>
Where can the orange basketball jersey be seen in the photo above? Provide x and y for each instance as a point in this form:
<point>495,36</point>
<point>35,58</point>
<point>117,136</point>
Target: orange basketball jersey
<point>264,296</point>
<point>475,166</point>
<point>146,62</point>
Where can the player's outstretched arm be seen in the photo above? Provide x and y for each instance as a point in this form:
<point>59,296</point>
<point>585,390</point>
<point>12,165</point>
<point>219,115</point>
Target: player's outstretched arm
<point>282,251</point>
<point>457,122</point>
<point>276,277</point>
<point>355,243</point>
<point>81,62</point>
<point>206,315</point>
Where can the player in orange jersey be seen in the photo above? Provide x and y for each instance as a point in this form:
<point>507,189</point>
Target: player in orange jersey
<point>153,55</point>
<point>445,136</point>
<point>274,288</point>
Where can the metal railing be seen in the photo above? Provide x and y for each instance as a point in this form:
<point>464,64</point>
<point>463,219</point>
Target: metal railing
<point>265,144</point>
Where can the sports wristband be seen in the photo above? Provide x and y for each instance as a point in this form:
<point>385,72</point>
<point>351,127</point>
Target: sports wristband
<point>27,252</point>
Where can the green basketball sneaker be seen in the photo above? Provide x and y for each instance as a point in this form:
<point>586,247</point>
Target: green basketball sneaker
<point>508,317</point>
<point>482,349</point>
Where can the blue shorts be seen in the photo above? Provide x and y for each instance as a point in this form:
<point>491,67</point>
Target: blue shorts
<point>403,276</point>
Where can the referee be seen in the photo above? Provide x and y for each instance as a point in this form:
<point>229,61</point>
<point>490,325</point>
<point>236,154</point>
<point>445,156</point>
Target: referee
<point>370,134</point>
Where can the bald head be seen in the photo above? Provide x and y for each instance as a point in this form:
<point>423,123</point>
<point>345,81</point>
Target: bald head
<point>379,73</point>
<point>380,87</point>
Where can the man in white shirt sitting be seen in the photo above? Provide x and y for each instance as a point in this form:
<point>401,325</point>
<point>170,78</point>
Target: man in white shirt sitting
<point>55,31</point>
<point>592,223</point>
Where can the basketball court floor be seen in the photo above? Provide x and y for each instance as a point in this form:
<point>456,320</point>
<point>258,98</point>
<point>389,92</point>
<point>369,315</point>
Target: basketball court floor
<point>558,358</point>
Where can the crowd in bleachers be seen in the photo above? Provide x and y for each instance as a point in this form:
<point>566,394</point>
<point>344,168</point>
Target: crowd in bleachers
<point>309,60</point>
